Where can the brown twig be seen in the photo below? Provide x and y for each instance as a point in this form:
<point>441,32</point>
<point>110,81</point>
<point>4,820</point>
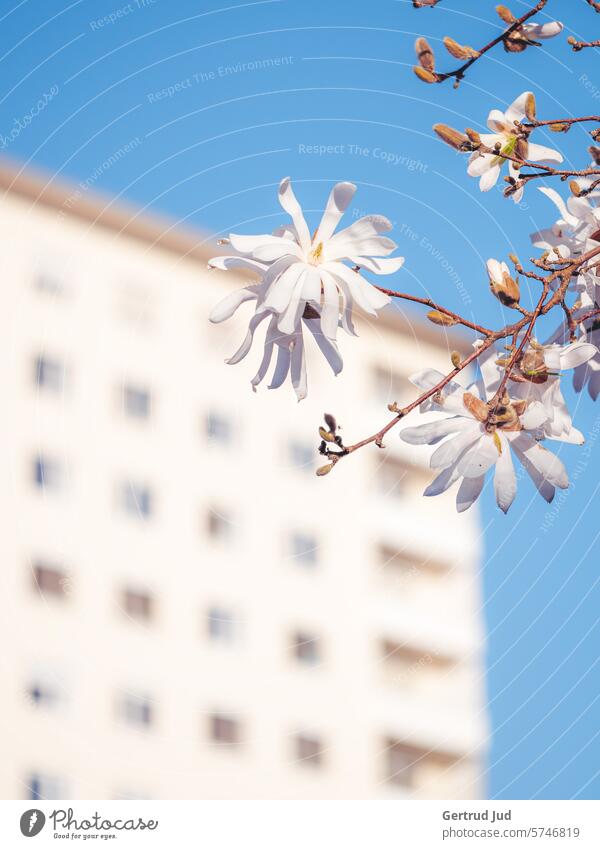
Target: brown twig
<point>514,330</point>
<point>458,319</point>
<point>459,73</point>
<point>581,45</point>
<point>594,4</point>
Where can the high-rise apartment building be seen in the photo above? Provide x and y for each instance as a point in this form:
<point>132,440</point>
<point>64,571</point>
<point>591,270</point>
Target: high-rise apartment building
<point>186,610</point>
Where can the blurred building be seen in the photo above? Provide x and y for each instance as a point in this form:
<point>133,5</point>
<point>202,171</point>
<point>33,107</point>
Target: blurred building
<point>187,611</point>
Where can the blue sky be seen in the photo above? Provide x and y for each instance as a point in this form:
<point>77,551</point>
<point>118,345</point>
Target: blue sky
<point>226,100</point>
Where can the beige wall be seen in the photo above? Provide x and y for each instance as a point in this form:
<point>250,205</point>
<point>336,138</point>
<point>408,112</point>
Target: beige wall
<point>134,313</point>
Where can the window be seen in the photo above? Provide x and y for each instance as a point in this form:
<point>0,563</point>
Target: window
<point>50,374</point>
<point>48,473</point>
<point>224,730</point>
<point>219,525</point>
<point>137,604</point>
<point>402,762</point>
<point>136,500</point>
<point>308,750</point>
<point>136,402</point>
<point>409,766</point>
<point>41,787</point>
<point>136,710</point>
<point>50,581</point>
<point>218,428</point>
<point>396,478</point>
<point>221,625</point>
<point>49,284</point>
<point>304,549</point>
<point>42,693</point>
<point>306,648</point>
<point>302,455</point>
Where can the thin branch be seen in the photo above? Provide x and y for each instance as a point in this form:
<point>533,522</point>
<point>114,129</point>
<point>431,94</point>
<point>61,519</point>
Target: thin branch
<point>580,45</point>
<point>459,73</point>
<point>458,319</point>
<point>594,4</point>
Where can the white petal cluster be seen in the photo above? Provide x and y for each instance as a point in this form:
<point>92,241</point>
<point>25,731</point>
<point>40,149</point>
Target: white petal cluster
<point>575,232</point>
<point>308,283</point>
<point>487,166</point>
<point>531,410</point>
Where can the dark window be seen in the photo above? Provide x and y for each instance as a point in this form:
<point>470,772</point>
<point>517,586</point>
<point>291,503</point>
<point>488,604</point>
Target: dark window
<point>218,428</point>
<point>224,730</point>
<point>306,648</point>
<point>136,402</point>
<point>138,604</point>
<point>221,627</point>
<point>47,473</point>
<point>137,710</point>
<point>304,549</point>
<point>49,284</point>
<point>42,693</point>
<point>50,374</point>
<point>136,500</point>
<point>41,787</point>
<point>219,525</point>
<point>308,750</point>
<point>50,581</point>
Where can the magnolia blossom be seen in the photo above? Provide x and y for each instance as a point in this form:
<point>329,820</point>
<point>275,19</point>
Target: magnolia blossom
<point>586,373</point>
<point>487,166</point>
<point>298,269</point>
<point>308,282</point>
<point>537,379</point>
<point>575,232</point>
<point>477,444</point>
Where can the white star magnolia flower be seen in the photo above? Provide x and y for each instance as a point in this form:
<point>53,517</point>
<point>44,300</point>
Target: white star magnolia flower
<point>476,445</point>
<point>575,232</point>
<point>586,373</point>
<point>539,374</point>
<point>306,282</point>
<point>487,166</point>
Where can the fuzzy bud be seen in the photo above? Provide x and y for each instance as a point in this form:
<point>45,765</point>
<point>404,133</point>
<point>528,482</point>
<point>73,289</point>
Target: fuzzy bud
<point>425,76</point>
<point>478,408</point>
<point>506,15</point>
<point>324,470</point>
<point>326,435</point>
<point>424,54</point>
<point>594,153</point>
<point>441,318</point>
<point>459,51</point>
<point>559,127</point>
<point>473,137</point>
<point>575,188</point>
<point>530,107</point>
<point>458,141</point>
<point>455,359</point>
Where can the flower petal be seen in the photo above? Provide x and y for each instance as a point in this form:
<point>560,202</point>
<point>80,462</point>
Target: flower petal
<point>489,179</point>
<point>432,432</point>
<point>229,304</point>
<point>450,451</point>
<point>288,201</point>
<point>468,492</point>
<point>339,199</point>
<point>547,464</point>
<point>577,354</point>
<point>327,347</point>
<point>516,110</point>
<point>379,265</point>
<point>505,479</point>
<point>540,153</point>
<point>247,343</point>
<point>479,458</point>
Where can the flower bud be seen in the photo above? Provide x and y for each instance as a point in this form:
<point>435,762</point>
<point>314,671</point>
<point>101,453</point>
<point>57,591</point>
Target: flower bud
<point>478,408</point>
<point>326,435</point>
<point>457,140</point>
<point>473,136</point>
<point>424,54</point>
<point>425,76</point>
<point>324,470</point>
<point>459,51</point>
<point>530,109</point>
<point>559,127</point>
<point>441,318</point>
<point>455,359</point>
<point>506,15</point>
<point>594,153</point>
<point>502,284</point>
<point>575,188</point>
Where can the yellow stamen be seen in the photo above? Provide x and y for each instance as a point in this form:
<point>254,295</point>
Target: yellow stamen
<point>316,253</point>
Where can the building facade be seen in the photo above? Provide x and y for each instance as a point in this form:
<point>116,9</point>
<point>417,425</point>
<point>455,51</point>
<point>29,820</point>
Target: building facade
<point>187,611</point>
